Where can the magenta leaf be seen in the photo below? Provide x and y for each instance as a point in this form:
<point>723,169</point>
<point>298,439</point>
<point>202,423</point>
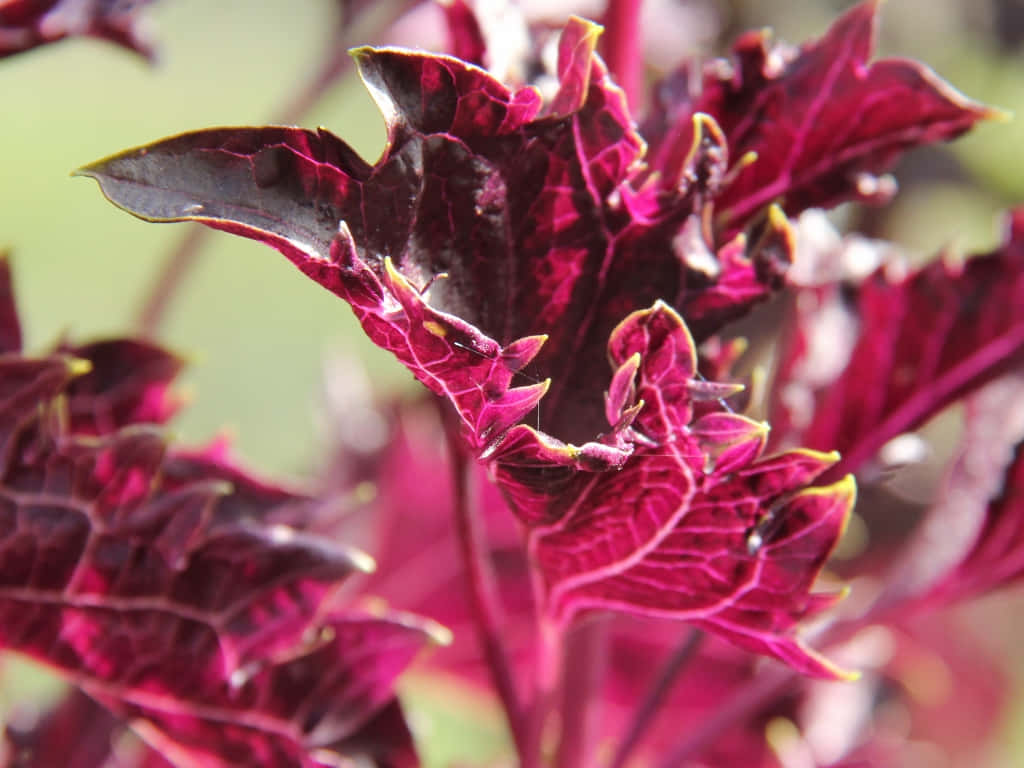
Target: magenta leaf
<point>707,682</point>
<point>924,339</point>
<point>216,635</point>
<point>821,119</point>
<point>695,525</point>
<point>413,539</point>
<point>26,24</point>
<point>465,37</point>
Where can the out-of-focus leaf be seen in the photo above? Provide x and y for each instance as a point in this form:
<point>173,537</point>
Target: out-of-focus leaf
<point>931,687</point>
<point>27,24</point>
<point>128,384</point>
<point>821,120</point>
<point>466,38</point>
<point>917,342</point>
<point>412,536</point>
<point>216,636</point>
<point>995,557</point>
<point>952,554</point>
<point>77,733</point>
<point>707,681</point>
<point>384,740</point>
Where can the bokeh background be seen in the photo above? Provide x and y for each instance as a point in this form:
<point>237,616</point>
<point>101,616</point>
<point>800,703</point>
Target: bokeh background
<point>256,332</point>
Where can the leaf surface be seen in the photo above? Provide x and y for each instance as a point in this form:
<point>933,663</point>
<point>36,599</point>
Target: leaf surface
<point>696,525</point>
<point>822,119</point>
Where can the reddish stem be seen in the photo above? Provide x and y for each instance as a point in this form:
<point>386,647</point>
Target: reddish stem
<point>655,696</point>
<point>584,667</point>
<point>483,593</point>
<point>176,267</point>
<point>547,666</point>
<point>622,49</point>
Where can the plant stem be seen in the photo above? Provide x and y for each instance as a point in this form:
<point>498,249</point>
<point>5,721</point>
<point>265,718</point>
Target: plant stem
<point>547,667</point>
<point>655,697</point>
<point>483,594</point>
<point>586,660</point>
<point>622,49</point>
<point>336,63</point>
<point>178,263</point>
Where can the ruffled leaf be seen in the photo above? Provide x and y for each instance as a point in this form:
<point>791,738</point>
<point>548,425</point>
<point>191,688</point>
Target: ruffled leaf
<point>695,525</point>
<point>503,224</point>
<point>497,244</point>
<point>820,120</point>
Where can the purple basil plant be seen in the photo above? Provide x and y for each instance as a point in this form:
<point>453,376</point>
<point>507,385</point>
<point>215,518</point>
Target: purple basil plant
<point>601,512</point>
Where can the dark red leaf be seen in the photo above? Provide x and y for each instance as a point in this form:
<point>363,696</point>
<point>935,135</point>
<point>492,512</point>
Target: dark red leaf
<point>496,247</point>
<point>217,637</point>
<point>76,733</point>
<point>820,119</point>
<point>384,740</point>
<point>531,216</point>
<point>128,384</point>
<point>26,24</point>
<point>922,340</point>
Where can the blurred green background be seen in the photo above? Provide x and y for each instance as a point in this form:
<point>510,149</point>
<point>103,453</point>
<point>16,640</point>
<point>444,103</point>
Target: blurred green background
<point>256,331</point>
